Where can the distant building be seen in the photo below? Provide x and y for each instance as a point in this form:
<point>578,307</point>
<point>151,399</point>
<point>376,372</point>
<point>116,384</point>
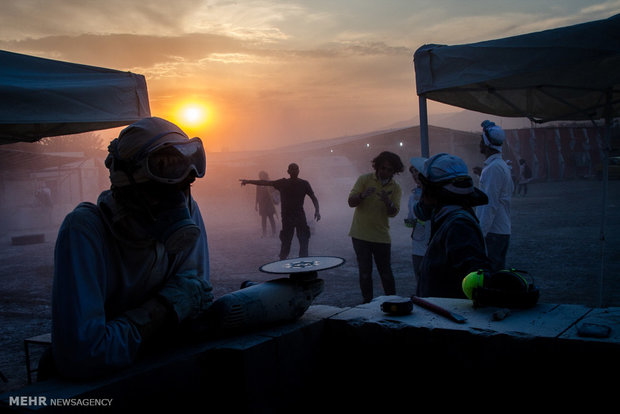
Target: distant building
<point>38,189</point>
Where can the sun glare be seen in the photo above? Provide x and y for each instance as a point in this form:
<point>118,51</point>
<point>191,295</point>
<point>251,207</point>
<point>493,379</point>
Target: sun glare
<point>193,115</point>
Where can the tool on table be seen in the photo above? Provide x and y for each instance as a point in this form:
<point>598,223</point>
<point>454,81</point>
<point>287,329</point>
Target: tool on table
<point>438,309</point>
<point>397,306</point>
<point>278,300</point>
<point>302,267</point>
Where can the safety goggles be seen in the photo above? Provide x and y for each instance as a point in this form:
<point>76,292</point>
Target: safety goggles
<point>173,162</point>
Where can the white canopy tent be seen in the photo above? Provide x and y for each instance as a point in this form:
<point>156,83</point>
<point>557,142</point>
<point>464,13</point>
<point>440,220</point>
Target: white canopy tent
<point>42,97</point>
<point>569,73</point>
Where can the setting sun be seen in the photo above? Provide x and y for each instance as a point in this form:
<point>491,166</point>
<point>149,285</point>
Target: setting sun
<point>192,115</point>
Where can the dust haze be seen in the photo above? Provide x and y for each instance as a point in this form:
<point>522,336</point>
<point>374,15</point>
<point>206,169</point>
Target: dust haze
<point>237,248</point>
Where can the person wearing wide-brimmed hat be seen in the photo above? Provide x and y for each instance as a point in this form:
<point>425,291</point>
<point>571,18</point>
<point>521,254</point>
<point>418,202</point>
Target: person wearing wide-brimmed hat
<point>457,245</point>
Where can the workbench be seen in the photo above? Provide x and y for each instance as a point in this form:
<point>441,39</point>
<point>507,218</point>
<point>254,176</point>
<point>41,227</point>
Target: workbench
<point>360,356</point>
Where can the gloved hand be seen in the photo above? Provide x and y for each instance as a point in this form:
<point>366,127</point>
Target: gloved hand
<point>150,318</point>
<point>188,296</point>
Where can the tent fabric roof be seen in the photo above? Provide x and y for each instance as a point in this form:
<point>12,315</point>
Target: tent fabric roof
<point>42,97</point>
<point>563,73</point>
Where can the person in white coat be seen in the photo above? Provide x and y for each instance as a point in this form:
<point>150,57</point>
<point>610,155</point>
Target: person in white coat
<point>496,182</point>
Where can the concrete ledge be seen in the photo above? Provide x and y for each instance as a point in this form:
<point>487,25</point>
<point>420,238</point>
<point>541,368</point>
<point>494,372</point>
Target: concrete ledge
<point>354,358</point>
<point>253,372</point>
<point>430,356</point>
<point>544,320</point>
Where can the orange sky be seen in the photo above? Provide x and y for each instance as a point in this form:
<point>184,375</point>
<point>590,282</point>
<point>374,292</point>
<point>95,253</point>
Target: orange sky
<point>271,72</point>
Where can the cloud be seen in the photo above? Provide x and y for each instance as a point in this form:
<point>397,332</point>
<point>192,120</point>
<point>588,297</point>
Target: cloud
<point>249,19</point>
<point>435,26</point>
<point>604,8</point>
<point>124,51</point>
<point>42,18</point>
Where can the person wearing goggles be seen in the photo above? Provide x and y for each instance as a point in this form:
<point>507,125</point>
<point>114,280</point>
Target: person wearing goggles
<point>170,159</point>
<point>172,163</point>
<point>134,267</point>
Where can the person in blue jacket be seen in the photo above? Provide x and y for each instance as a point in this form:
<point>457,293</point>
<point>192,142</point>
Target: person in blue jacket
<point>456,245</point>
<point>135,265</point>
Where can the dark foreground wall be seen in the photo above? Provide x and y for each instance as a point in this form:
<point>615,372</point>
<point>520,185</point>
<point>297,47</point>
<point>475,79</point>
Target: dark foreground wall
<point>361,359</point>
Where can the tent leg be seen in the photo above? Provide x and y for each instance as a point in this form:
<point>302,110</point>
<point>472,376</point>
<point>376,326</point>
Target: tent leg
<point>424,149</point>
<point>605,167</point>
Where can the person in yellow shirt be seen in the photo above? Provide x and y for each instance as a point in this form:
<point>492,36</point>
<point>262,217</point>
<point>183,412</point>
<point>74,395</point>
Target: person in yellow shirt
<point>376,198</point>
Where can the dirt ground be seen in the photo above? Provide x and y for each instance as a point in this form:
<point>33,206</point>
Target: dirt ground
<point>556,239</point>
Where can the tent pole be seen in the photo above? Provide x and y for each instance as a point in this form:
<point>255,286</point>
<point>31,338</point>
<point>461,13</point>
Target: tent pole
<point>424,149</point>
<point>605,167</point>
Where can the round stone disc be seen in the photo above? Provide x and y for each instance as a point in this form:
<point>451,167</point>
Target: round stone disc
<point>302,264</point>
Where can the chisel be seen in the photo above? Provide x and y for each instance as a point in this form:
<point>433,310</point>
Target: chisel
<point>438,309</point>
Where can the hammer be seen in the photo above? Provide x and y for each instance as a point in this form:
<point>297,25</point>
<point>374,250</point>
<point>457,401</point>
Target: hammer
<point>438,309</point>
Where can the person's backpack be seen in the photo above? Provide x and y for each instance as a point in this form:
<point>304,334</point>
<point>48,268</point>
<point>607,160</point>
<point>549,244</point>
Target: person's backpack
<point>527,172</point>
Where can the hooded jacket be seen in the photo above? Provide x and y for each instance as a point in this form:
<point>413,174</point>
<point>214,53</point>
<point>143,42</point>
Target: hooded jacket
<point>456,248</point>
<point>105,265</point>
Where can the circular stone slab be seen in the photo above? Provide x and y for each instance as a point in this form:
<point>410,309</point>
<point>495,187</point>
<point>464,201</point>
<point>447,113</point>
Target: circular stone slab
<point>302,264</point>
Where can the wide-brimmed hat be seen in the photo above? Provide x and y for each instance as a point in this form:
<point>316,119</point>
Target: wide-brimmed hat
<point>450,173</point>
<point>418,163</point>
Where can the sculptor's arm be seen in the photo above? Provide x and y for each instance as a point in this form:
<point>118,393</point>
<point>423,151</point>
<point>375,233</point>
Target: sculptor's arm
<point>84,342</point>
<point>356,199</point>
<point>391,200</point>
<point>315,201</point>
<point>256,182</point>
<point>490,183</point>
<point>359,193</point>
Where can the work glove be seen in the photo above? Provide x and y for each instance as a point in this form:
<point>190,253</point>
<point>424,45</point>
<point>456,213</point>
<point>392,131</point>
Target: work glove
<point>149,318</point>
<point>187,296</point>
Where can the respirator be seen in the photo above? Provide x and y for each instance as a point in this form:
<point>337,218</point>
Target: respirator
<point>153,162</point>
<point>171,223</point>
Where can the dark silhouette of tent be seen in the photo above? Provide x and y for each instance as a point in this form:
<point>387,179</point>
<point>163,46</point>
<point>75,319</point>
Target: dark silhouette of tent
<point>569,73</point>
<point>42,98</point>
